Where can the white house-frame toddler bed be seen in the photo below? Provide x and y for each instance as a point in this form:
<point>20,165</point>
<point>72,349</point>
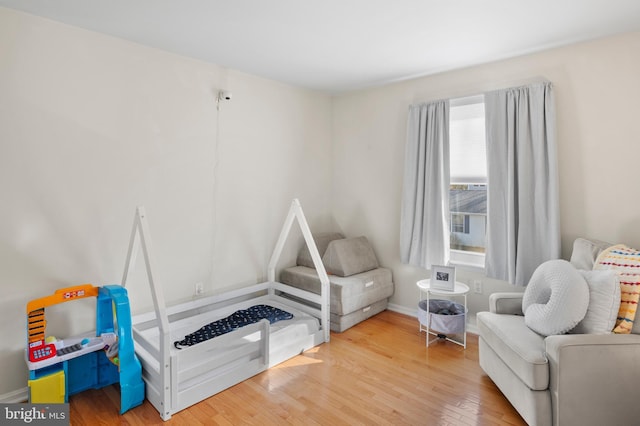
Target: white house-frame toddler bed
<point>177,374</point>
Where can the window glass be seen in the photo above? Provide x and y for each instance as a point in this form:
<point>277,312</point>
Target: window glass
<point>468,152</point>
<point>468,206</point>
<point>468,163</point>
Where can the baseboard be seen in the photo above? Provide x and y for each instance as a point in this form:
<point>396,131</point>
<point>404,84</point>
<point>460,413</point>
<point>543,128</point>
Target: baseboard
<point>471,326</point>
<point>20,395</point>
<point>402,310</point>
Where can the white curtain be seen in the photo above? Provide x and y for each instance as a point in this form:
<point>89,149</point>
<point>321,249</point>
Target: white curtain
<point>424,224</point>
<point>523,223</point>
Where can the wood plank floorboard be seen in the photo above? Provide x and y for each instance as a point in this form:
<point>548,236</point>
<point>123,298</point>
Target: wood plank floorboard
<point>379,372</point>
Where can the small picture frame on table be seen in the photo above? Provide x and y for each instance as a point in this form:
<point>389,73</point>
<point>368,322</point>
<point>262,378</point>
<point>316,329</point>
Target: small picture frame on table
<point>443,278</point>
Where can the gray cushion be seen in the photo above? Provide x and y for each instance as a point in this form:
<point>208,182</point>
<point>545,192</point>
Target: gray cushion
<point>585,252</point>
<point>322,241</point>
<point>349,256</point>
<point>348,294</point>
<point>518,346</point>
<point>340,323</point>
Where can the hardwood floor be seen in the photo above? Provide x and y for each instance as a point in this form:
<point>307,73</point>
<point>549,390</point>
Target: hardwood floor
<point>378,372</point>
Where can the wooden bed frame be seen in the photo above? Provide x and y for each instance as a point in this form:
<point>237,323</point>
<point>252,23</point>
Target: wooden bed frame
<point>176,379</point>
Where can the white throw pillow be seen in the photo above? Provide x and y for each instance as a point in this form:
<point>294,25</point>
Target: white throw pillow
<point>604,302</point>
<point>556,298</point>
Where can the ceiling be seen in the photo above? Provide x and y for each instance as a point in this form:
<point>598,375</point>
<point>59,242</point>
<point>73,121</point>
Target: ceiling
<point>341,45</point>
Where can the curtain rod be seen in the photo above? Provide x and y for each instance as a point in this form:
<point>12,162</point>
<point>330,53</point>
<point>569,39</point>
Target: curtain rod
<point>480,92</point>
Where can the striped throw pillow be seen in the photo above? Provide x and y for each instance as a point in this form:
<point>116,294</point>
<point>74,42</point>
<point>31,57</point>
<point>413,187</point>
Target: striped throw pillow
<point>625,261</point>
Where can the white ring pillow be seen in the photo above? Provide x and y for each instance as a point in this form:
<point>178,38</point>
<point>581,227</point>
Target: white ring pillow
<point>556,298</point>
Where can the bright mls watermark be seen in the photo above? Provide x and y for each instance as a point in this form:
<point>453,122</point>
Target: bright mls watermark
<point>34,414</point>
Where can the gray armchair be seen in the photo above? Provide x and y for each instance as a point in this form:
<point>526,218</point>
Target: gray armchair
<point>569,379</point>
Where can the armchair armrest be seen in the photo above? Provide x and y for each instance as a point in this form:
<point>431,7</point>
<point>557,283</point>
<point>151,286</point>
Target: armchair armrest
<point>506,303</point>
<point>598,381</point>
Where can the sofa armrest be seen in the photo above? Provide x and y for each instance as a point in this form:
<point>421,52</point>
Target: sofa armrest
<point>598,381</point>
<point>506,303</point>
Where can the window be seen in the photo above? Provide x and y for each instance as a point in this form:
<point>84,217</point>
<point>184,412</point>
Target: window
<point>468,190</point>
<point>433,191</point>
<point>460,223</point>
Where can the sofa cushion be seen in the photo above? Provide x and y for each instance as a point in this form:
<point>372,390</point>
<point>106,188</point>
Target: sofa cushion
<point>518,346</point>
<point>585,252</point>
<point>348,294</point>
<point>322,240</point>
<point>340,323</point>
<point>556,298</point>
<point>604,302</point>
<point>349,256</point>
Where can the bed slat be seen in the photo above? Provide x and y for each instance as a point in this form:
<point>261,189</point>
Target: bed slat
<point>195,394</point>
<point>216,365</point>
<point>142,341</point>
<point>314,312</point>
<point>294,291</point>
<point>194,354</point>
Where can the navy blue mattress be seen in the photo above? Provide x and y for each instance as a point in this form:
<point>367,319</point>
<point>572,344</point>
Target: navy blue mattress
<point>232,322</point>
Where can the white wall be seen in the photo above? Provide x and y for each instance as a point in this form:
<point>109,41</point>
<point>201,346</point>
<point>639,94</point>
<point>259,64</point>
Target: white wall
<point>92,126</point>
<point>597,92</point>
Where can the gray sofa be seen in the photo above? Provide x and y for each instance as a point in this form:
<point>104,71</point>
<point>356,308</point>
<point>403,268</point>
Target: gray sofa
<point>569,379</point>
<point>359,287</point>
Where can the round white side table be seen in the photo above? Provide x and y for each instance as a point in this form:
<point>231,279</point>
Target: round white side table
<point>460,290</point>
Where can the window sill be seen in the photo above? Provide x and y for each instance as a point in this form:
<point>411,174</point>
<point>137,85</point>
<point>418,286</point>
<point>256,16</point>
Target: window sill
<point>467,260</point>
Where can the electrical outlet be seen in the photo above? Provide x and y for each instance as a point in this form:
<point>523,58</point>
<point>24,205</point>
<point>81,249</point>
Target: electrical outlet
<point>199,290</point>
<point>477,286</point>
